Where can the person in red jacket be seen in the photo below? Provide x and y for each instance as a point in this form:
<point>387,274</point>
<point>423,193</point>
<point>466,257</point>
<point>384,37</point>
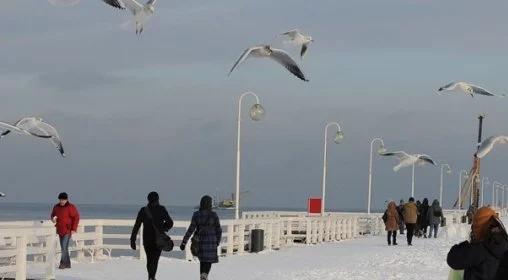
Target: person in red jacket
<point>65,216</point>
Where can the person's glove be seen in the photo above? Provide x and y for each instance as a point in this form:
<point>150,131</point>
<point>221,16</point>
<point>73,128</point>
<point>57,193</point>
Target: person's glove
<point>182,247</point>
<point>133,245</point>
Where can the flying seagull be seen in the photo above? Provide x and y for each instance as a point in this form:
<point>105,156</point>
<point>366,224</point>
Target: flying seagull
<point>406,160</point>
<point>38,128</point>
<point>2,194</point>
<point>488,144</point>
<point>468,88</point>
<point>277,55</point>
<point>141,12</point>
<point>298,38</point>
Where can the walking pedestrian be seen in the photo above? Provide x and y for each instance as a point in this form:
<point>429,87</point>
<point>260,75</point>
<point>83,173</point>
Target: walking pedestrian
<point>65,216</point>
<point>410,218</point>
<point>480,256</point>
<point>400,209</point>
<point>205,225</point>
<point>391,219</point>
<point>424,219</point>
<point>153,216</point>
<point>434,216</point>
<point>418,231</point>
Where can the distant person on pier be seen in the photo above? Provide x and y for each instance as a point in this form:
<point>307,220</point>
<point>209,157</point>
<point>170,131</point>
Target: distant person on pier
<point>424,217</point>
<point>65,216</point>
<point>400,209</point>
<point>207,234</point>
<point>410,218</point>
<point>391,219</point>
<point>480,257</point>
<point>151,216</point>
<point>434,215</point>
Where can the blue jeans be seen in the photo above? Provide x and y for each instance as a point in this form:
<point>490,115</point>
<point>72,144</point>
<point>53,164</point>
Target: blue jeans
<point>64,244</point>
<point>433,227</point>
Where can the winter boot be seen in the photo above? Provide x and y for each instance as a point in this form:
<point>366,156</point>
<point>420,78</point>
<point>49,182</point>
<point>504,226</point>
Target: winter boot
<point>204,276</point>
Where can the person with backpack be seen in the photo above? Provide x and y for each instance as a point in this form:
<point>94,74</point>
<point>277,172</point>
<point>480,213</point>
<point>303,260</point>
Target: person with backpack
<point>156,221</point>
<point>480,257</point>
<point>434,216</point>
<point>391,219</point>
<point>207,234</point>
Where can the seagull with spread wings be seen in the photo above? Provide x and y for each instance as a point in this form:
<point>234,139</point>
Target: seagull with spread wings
<point>468,88</point>
<point>488,144</point>
<point>35,127</point>
<point>276,55</point>
<point>296,37</point>
<point>406,160</point>
<point>141,12</point>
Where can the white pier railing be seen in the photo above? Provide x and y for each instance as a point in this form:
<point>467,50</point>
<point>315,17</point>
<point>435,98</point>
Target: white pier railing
<point>26,244</point>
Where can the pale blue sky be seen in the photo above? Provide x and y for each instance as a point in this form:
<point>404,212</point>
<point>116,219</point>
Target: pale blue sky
<point>158,109</point>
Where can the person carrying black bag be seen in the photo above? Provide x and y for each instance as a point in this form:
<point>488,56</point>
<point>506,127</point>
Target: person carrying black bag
<point>156,221</point>
<point>205,226</point>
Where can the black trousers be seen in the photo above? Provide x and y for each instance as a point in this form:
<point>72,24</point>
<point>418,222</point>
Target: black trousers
<point>390,235</point>
<point>205,267</point>
<point>152,260</point>
<point>410,231</point>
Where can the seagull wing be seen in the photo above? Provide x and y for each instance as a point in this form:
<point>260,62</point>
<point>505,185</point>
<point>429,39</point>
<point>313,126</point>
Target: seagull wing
<point>242,58</point>
<point>292,33</point>
<point>115,3</point>
<point>31,125</point>
<point>487,145</point>
<point>7,128</point>
<point>482,91</point>
<point>304,49</point>
<point>447,87</point>
<point>426,159</point>
<point>53,133</point>
<point>401,155</point>
<point>133,5</point>
<point>285,60</point>
<point>151,2</point>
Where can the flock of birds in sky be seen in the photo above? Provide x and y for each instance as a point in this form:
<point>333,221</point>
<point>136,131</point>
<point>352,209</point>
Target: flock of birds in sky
<point>37,128</point>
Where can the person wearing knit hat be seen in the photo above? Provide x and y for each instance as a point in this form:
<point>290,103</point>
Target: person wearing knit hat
<point>480,257</point>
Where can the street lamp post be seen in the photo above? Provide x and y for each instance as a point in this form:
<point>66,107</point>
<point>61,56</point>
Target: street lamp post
<point>256,113</point>
<point>495,186</point>
<point>459,206</point>
<point>413,181</point>
<point>483,188</point>
<point>337,139</point>
<point>381,149</point>
<point>448,171</point>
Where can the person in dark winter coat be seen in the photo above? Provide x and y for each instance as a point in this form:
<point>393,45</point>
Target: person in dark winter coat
<point>400,209</point>
<point>434,216</point>
<point>418,231</point>
<point>480,257</point>
<point>424,219</point>
<point>162,221</point>
<point>65,216</point>
<point>502,271</point>
<point>391,219</point>
<point>205,223</point>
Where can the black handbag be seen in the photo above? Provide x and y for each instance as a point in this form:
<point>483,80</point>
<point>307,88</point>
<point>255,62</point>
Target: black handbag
<point>195,243</point>
<point>162,240</point>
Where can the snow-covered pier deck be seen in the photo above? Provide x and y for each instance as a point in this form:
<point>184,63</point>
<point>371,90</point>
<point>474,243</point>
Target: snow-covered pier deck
<point>344,246</point>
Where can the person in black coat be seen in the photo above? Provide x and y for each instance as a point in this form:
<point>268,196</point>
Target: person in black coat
<point>424,219</point>
<point>205,223</point>
<point>162,221</point>
<point>502,271</point>
<point>480,257</point>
